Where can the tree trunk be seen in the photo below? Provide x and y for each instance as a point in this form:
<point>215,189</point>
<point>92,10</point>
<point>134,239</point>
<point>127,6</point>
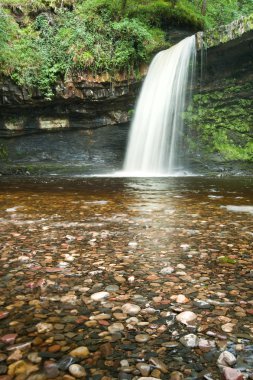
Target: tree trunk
<point>203,8</point>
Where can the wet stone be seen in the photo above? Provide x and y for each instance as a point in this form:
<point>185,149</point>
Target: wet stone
<point>176,375</point>
<point>186,317</point>
<point>225,359</point>
<point>77,371</point>
<point>190,340</point>
<point>51,369</point>
<point>201,304</point>
<point>99,296</point>
<point>116,327</point>
<point>131,309</point>
<point>112,288</point>
<point>232,374</point>
<point>81,352</point>
<point>64,363</point>
<point>142,338</point>
<point>144,368</point>
<point>159,364</point>
<point>3,369</point>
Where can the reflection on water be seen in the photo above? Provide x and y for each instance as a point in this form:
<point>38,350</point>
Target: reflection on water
<point>62,240</point>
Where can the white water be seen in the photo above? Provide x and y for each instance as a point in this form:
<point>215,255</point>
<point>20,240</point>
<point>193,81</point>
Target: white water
<point>154,140</point>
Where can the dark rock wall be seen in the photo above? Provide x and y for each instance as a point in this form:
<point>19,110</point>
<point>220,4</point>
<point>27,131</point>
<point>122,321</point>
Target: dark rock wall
<point>84,104</point>
<point>219,123</point>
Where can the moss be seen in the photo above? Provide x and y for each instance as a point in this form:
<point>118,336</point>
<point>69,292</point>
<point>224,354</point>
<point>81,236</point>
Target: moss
<point>222,120</point>
<point>4,154</point>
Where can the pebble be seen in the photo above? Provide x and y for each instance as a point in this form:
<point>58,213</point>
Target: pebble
<point>201,304</point>
<point>9,338</point>
<point>77,371</point>
<point>51,369</point>
<point>142,338</point>
<point>81,352</point>
<point>120,316</point>
<point>34,357</point>
<point>131,309</point>
<point>116,327</point>
<point>167,270</point>
<point>100,296</point>
<point>190,340</point>
<point>180,298</point>
<point>176,375</point>
<point>159,364</point>
<point>228,327</point>
<point>21,367</point>
<point>44,327</point>
<point>232,374</point>
<point>144,368</point>
<point>186,317</point>
<point>225,359</point>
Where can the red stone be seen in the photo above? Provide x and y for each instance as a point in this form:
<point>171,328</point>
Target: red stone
<point>53,270</point>
<point>103,322</point>
<point>82,319</point>
<point>9,338</point>
<point>232,374</point>
<point>4,314</point>
<point>249,311</point>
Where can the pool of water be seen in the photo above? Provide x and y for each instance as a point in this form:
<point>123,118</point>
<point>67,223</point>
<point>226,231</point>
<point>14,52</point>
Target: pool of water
<point>144,241</point>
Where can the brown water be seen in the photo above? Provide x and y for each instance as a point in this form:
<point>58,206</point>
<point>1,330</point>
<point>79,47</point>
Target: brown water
<point>62,240</point>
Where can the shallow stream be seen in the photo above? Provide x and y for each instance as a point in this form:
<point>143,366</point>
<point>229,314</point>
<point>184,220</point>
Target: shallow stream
<point>163,245</point>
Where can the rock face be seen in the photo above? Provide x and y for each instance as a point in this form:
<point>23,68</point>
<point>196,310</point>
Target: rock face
<point>220,128</point>
<point>85,102</point>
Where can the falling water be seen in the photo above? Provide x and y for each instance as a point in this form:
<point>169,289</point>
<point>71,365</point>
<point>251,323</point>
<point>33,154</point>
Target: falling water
<point>154,140</point>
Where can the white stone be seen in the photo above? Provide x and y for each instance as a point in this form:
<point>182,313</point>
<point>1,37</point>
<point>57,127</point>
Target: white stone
<point>205,344</point>
<point>226,359</point>
<point>131,309</point>
<point>116,327</point>
<point>99,296</point>
<point>133,244</point>
<point>77,371</point>
<point>228,327</point>
<point>124,363</point>
<point>167,270</point>
<point>43,327</point>
<point>69,298</point>
<point>186,317</point>
<point>181,299</point>
<point>190,340</point>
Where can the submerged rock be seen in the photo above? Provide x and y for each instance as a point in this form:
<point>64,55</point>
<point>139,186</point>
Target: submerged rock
<point>186,317</point>
<point>131,309</point>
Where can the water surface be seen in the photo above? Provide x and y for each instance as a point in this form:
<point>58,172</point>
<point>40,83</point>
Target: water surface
<point>63,239</point>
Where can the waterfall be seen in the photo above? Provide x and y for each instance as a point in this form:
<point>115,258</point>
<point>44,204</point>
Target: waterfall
<point>154,139</point>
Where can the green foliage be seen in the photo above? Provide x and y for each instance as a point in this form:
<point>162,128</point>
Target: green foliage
<point>43,41</point>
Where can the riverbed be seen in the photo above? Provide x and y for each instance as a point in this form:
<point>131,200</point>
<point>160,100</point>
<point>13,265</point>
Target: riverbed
<point>97,274</point>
